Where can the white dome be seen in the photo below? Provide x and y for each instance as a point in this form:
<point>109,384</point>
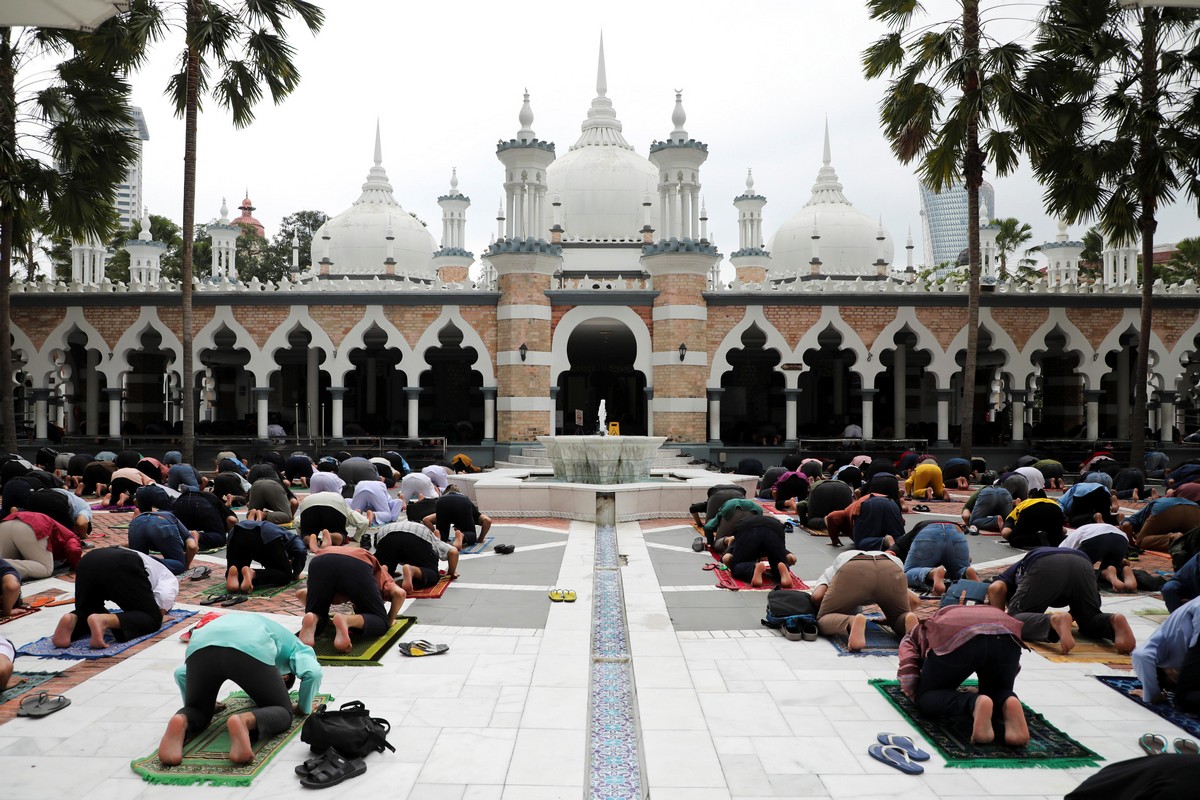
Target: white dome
<point>357,242</point>
<point>849,239</point>
<point>601,181</point>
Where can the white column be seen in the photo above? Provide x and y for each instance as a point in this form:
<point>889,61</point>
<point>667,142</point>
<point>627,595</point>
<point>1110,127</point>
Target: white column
<point>714,414</point>
<point>313,390</point>
<point>685,212</point>
<point>943,416</point>
<point>790,398</point>
<point>1166,416</point>
<point>41,412</point>
<point>413,395</point>
<point>114,412</point>
<point>489,414</point>
<point>261,395</point>
<point>649,390</point>
<point>1018,414</point>
<point>337,395</point>
<point>868,413</point>
<point>92,395</point>
<point>1091,398</point>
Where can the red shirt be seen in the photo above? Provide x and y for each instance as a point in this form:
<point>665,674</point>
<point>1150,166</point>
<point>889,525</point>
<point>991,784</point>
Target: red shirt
<point>64,544</point>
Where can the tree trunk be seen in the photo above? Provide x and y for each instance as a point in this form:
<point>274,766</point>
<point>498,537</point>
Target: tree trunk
<point>973,176</point>
<point>188,378</point>
<point>8,129</point>
<point>1147,224</point>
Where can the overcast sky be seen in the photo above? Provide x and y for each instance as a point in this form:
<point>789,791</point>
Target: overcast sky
<point>445,81</point>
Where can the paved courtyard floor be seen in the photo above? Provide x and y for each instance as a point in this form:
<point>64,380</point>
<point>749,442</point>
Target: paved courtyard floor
<point>723,708</point>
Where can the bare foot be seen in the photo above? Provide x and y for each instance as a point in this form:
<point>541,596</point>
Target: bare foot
<point>231,580</point>
<point>759,569</point>
<point>170,749</point>
<point>982,731</point>
<point>63,631</point>
<point>240,751</point>
<point>247,580</point>
<point>857,639</point>
<point>1123,638</point>
<point>909,621</point>
<point>929,493</point>
<point>938,574</point>
<point>406,583</point>
<point>1016,730</point>
<point>98,625</point>
<point>308,629</point>
<point>1061,622</point>
<point>785,575</point>
<point>341,639</point>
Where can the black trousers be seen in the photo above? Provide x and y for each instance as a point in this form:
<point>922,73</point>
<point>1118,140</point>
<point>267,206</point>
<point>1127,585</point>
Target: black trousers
<point>118,576</point>
<point>1041,524</point>
<point>124,486</point>
<point>402,547</point>
<point>1109,549</point>
<point>209,667</point>
<point>319,518</point>
<point>1058,580</point>
<point>749,546</point>
<point>1084,509</point>
<point>995,658</point>
<point>333,574</point>
<point>1187,688</point>
<point>245,545</point>
<point>1142,778</point>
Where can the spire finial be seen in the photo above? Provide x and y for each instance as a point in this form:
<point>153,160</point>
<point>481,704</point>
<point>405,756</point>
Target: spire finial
<point>526,133</point>
<point>749,181</point>
<point>378,145</point>
<point>224,212</point>
<point>678,117</point>
<point>826,158</point>
<point>144,235</point>
<point>601,78</point>
<point>454,180</point>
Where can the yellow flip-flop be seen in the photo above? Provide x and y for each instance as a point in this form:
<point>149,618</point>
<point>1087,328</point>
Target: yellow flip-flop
<point>569,596</point>
<point>557,595</point>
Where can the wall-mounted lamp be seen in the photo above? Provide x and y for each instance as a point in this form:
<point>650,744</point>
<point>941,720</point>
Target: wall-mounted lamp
<point>523,350</point>
<point>682,351</point>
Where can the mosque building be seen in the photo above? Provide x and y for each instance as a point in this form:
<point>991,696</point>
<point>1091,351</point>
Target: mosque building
<point>600,284</point>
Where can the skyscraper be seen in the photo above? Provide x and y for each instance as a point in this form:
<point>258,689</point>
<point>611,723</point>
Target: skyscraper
<point>129,193</point>
<point>944,218</point>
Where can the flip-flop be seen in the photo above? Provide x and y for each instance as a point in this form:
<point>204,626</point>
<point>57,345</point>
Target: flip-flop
<point>569,596</point>
<point>505,549</point>
<point>1187,747</point>
<point>199,573</point>
<point>894,757</point>
<point>921,508</point>
<point>972,530</point>
<point>709,566</point>
<point>905,743</point>
<point>332,770</point>
<point>422,648</point>
<point>235,600</point>
<point>214,599</point>
<point>698,544</point>
<point>792,631</point>
<point>42,704</point>
<point>1153,744</point>
<point>556,595</point>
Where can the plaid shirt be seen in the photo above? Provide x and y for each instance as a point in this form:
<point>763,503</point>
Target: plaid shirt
<point>947,630</point>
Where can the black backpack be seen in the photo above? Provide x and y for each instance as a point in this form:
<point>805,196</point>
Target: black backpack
<point>351,730</point>
<point>785,604</point>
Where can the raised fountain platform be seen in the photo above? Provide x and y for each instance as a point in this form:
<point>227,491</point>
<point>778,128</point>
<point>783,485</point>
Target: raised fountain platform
<point>603,460</point>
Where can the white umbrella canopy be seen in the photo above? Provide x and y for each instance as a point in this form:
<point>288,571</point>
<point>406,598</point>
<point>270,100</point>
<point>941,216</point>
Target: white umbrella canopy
<point>76,14</point>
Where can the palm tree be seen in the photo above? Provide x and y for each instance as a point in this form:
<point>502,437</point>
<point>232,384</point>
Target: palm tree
<point>1118,131</point>
<point>1184,264</point>
<point>1012,234</point>
<point>65,146</point>
<point>949,93</point>
<point>247,44</point>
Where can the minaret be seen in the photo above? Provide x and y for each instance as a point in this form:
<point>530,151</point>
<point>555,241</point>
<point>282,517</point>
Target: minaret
<point>452,260</point>
<point>295,256</point>
<point>1063,258</point>
<point>145,256</point>
<point>881,264</point>
<point>750,260</point>
<point>524,263</point>
<point>910,271</point>
<point>990,255</point>
<point>88,258</point>
<point>680,264</point>
<point>224,238</point>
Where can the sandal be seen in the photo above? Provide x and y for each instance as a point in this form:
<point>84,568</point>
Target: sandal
<point>504,549</point>
<point>332,770</point>
<point>556,595</point>
<point>422,647</point>
<point>234,600</point>
<point>199,573</point>
<point>1153,744</point>
<point>921,508</point>
<point>569,596</point>
<point>42,704</point>
<point>212,600</point>
<point>1186,747</point>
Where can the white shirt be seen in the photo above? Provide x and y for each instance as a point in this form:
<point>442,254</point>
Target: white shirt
<point>356,523</point>
<point>437,474</point>
<point>1089,531</point>
<point>417,483</point>
<point>7,650</point>
<point>845,557</point>
<point>164,585</point>
<point>1034,476</point>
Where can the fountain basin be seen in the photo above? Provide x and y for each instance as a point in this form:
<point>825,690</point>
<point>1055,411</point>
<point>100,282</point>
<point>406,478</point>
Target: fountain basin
<point>603,460</point>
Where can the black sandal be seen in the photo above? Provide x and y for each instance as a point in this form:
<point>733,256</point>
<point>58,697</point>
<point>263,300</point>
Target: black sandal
<point>332,770</point>
<point>212,600</point>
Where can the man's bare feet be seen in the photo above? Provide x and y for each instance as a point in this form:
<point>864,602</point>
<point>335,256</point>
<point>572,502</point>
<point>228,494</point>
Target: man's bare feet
<point>406,583</point>
<point>938,575</point>
<point>1016,730</point>
<point>1110,575</point>
<point>170,749</point>
<point>63,631</point>
<point>857,639</point>
<point>1061,622</point>
<point>981,729</point>
<point>785,575</point>
<point>341,638</point>
<point>232,584</point>
<point>239,727</point>
<point>247,584</point>
<point>98,625</point>
<point>759,569</point>
<point>308,629</point>
<point>929,493</point>
<point>1123,638</point>
<point>908,621</point>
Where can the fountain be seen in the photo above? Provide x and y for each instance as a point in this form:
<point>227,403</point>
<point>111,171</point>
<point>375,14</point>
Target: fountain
<point>602,459</point>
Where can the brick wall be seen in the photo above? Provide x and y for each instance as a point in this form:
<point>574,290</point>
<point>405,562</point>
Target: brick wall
<point>1094,323</point>
<point>522,426</point>
<point>337,320</point>
<point>867,321</point>
<point>38,323</point>
<point>791,321</point>
<point>112,322</point>
<point>1020,323</point>
<point>681,426</point>
<point>260,322</point>
<point>944,323</point>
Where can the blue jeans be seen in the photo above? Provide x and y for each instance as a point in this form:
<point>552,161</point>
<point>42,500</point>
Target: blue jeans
<point>162,533</point>
<point>937,545</point>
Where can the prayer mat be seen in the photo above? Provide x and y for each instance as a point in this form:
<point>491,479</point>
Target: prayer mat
<point>880,642</point>
<point>479,547</point>
<point>32,681</point>
<point>945,508</point>
<point>1167,710</point>
<point>17,613</point>
<point>768,506</point>
<point>122,527</point>
<point>431,592</point>
<point>725,580</point>
<point>1048,746</point>
<point>1084,652</point>
<point>364,652</point>
<point>266,591</point>
<point>80,649</point>
<point>206,755</point>
<point>113,509</point>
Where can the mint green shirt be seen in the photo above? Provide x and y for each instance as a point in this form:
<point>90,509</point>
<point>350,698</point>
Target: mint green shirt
<point>264,640</point>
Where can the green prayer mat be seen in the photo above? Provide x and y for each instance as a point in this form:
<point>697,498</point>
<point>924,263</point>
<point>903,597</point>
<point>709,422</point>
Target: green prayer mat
<point>269,591</point>
<point>1048,746</point>
<point>206,755</point>
<point>31,682</point>
<point>364,652</point>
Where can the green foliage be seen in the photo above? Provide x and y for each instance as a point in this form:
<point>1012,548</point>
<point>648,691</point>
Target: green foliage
<point>1184,264</point>
<point>302,225</point>
<point>163,230</point>
<point>1012,234</point>
<point>1092,259</point>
